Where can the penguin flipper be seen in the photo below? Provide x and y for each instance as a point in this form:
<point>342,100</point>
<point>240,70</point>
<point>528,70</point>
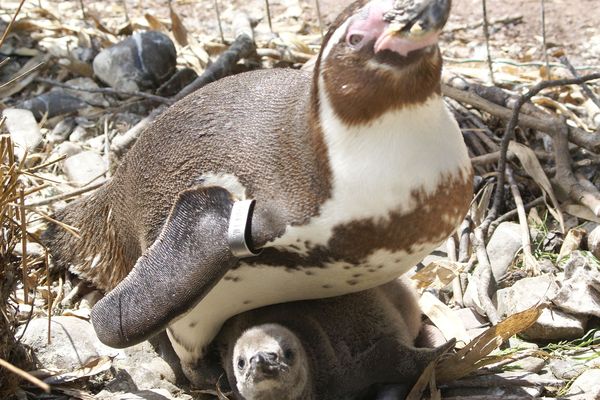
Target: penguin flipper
<point>189,257</point>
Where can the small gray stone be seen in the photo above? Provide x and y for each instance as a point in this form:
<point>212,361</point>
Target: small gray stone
<point>142,61</point>
<point>84,168</point>
<point>470,318</point>
<point>503,246</point>
<point>24,130</point>
<point>587,384</point>
<point>61,131</point>
<point>580,291</point>
<point>529,364</point>
<point>566,369</point>
<point>553,323</point>
<point>79,134</point>
<point>593,242</point>
<point>67,149</point>
<point>94,99</point>
<point>73,342</point>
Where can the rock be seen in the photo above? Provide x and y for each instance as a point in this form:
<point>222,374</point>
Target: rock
<point>571,243</point>
<point>61,131</point>
<point>470,318</point>
<point>24,130</point>
<point>94,99</point>
<point>84,168</point>
<point>33,249</point>
<point>503,246</point>
<point>528,364</point>
<point>580,291</point>
<point>96,143</point>
<point>53,103</point>
<point>73,342</point>
<point>587,384</point>
<point>178,81</point>
<point>79,134</point>
<point>142,61</point>
<point>593,242</point>
<point>152,394</point>
<point>553,323</point>
<point>566,369</point>
<point>67,149</point>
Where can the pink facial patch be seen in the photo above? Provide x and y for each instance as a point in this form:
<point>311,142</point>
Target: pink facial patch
<point>370,25</point>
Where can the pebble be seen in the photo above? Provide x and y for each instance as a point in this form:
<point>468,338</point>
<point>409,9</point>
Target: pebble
<point>529,364</point>
<point>61,131</point>
<point>67,149</point>
<point>580,291</point>
<point>553,323</point>
<point>587,384</point>
<point>142,61</point>
<point>84,168</point>
<point>53,103</point>
<point>24,130</point>
<point>94,99</point>
<point>73,342</point>
<point>79,134</point>
<point>503,246</point>
<point>593,242</point>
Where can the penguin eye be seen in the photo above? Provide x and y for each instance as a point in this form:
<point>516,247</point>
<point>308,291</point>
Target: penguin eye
<point>355,39</point>
<point>241,363</point>
<point>289,354</point>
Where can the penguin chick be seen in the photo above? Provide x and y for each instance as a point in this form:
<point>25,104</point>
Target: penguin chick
<point>328,349</point>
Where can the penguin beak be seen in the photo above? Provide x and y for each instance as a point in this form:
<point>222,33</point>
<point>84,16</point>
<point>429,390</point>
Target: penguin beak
<point>409,31</point>
<point>264,365</point>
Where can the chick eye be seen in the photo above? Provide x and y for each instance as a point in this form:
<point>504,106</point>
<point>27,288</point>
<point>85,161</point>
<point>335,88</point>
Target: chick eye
<point>289,354</point>
<point>355,39</point>
<point>241,363</point>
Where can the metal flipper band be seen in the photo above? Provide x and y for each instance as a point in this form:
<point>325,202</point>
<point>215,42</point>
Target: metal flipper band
<point>239,224</point>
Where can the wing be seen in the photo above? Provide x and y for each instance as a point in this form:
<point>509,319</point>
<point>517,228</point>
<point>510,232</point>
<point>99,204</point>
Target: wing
<point>190,255</point>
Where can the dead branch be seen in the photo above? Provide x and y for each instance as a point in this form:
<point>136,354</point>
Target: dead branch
<point>548,124</point>
<point>565,178</point>
<point>110,91</point>
<point>505,380</point>
<point>10,24</point>
<point>486,32</point>
<point>242,47</point>
<point>484,277</point>
<point>530,263</point>
<point>509,134</point>
<point>25,375</point>
<point>513,213</point>
<point>592,96</point>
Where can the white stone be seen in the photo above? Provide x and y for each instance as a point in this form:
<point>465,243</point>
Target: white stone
<point>504,245</point>
<point>84,168</point>
<point>587,384</point>
<point>24,130</point>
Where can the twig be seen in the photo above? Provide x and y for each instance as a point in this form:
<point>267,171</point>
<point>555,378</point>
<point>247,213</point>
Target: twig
<point>509,134</point>
<point>23,214</point>
<point>82,9</point>
<point>111,91</point>
<point>242,47</point>
<point>464,243</point>
<point>268,9</point>
<point>486,32</point>
<point>485,278</point>
<point>565,179</point>
<point>64,196</point>
<point>500,21</point>
<point>544,41</point>
<point>320,17</point>
<point>218,11</point>
<point>10,24</point>
<point>505,380</point>
<point>49,284</point>
<point>530,263</point>
<point>16,78</point>
<point>513,213</point>
<point>584,86</point>
<point>25,375</point>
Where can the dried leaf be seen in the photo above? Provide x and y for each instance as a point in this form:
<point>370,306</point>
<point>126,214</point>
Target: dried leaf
<point>438,274</point>
<point>571,243</point>
<point>443,317</point>
<point>534,169</point>
<point>154,23</point>
<point>179,31</point>
<point>91,368</point>
<point>474,355</point>
<point>580,211</point>
<point>426,377</point>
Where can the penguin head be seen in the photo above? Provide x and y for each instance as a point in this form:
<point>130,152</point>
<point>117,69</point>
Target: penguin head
<point>269,362</point>
<point>381,55</point>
